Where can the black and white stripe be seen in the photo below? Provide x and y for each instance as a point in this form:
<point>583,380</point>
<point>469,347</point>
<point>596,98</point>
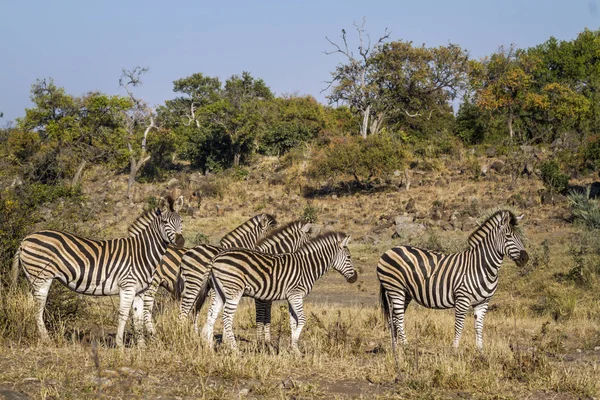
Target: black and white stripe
<point>441,281</point>
<point>166,275</point>
<point>268,277</point>
<point>286,239</point>
<point>121,266</point>
<point>195,262</point>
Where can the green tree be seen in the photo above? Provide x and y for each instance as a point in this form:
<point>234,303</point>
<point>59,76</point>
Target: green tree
<point>503,81</point>
<point>417,84</point>
<point>294,120</point>
<point>68,132</point>
<point>352,82</point>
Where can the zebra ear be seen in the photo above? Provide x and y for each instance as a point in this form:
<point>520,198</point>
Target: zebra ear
<point>306,227</point>
<point>163,205</point>
<point>178,204</point>
<point>345,241</point>
<point>520,217</point>
<point>505,218</point>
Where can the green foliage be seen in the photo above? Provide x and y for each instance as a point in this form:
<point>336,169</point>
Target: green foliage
<point>553,179</point>
<point>162,147</point>
<point>362,159</point>
<point>296,120</point>
<point>585,209</point>
<point>591,153</point>
<point>18,213</point>
<point>310,214</point>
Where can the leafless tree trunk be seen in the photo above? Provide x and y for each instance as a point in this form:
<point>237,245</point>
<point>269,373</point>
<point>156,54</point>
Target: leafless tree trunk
<point>358,96</point>
<point>510,124</point>
<point>140,114</point>
<point>79,172</point>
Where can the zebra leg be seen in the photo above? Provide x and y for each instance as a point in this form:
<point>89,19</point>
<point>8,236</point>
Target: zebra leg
<point>149,296</point>
<point>297,320</point>
<point>138,319</point>
<point>399,301</point>
<point>215,308</point>
<point>213,298</point>
<point>40,294</point>
<point>229,309</point>
<point>260,307</point>
<point>267,321</point>
<point>126,296</point>
<point>460,311</point>
<point>479,312</point>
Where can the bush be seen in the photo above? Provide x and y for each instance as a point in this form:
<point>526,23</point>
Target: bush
<point>553,179</point>
<point>591,154</point>
<point>585,210</point>
<point>361,159</point>
<point>310,214</point>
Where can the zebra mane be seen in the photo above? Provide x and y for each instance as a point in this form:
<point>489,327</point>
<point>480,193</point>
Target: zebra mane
<point>338,236</point>
<point>488,217</point>
<point>251,222</point>
<point>273,233</point>
<point>142,222</point>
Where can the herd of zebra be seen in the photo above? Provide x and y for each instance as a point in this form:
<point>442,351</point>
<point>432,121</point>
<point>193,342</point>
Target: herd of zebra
<point>264,263</point>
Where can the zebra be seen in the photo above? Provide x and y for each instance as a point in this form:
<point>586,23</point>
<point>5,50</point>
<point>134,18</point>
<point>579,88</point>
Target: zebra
<point>168,270</point>
<point>193,271</point>
<point>268,277</point>
<point>286,239</point>
<point>121,266</point>
<point>441,281</point>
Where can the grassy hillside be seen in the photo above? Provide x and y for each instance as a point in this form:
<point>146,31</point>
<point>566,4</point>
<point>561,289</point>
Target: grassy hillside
<point>541,334</point>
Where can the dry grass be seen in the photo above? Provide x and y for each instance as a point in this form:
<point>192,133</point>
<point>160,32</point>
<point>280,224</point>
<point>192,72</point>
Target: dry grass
<point>541,333</point>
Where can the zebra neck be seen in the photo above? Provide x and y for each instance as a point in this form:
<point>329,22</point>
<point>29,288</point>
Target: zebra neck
<point>314,264</point>
<point>486,259</point>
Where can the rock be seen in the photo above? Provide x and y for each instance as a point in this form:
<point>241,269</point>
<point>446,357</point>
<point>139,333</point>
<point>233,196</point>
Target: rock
<point>369,239</point>
<point>334,197</point>
<point>436,214</point>
<point>406,228</point>
<point>10,395</point>
<point>550,198</point>
<point>403,219</point>
<point>497,165</point>
<point>484,170</point>
<point>528,169</point>
<point>527,149</point>
<point>597,348</point>
<point>491,152</point>
<point>411,206</point>
<point>244,392</point>
<point>441,182</point>
<point>173,182</point>
<point>382,228</point>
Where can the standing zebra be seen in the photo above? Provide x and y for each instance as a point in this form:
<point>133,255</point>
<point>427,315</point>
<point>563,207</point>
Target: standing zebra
<point>121,266</point>
<point>441,281</point>
<point>268,277</point>
<point>194,269</point>
<point>286,239</point>
<point>168,271</point>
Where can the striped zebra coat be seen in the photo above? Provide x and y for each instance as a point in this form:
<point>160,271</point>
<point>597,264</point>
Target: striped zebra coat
<point>194,269</point>
<point>121,266</point>
<point>268,277</point>
<point>441,281</point>
<point>286,239</point>
<point>168,271</point>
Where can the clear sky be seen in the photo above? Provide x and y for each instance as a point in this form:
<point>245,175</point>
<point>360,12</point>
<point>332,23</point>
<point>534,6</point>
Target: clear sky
<point>84,45</point>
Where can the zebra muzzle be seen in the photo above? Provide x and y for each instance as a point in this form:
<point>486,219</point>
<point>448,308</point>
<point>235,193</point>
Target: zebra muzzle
<point>179,240</point>
<point>352,278</point>
<point>523,258</point>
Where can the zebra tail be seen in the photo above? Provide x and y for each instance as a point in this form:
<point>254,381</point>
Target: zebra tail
<point>201,299</point>
<point>178,285</point>
<point>387,312</point>
<point>16,263</point>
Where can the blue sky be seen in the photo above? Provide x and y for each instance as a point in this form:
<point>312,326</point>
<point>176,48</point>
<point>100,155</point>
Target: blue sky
<point>84,45</point>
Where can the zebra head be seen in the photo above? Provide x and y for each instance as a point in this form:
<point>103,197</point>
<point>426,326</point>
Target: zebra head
<point>265,223</point>
<point>342,262</point>
<point>511,237</point>
<point>170,220</point>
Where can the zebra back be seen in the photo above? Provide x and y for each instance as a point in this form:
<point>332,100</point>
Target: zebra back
<point>249,233</point>
<point>285,239</point>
